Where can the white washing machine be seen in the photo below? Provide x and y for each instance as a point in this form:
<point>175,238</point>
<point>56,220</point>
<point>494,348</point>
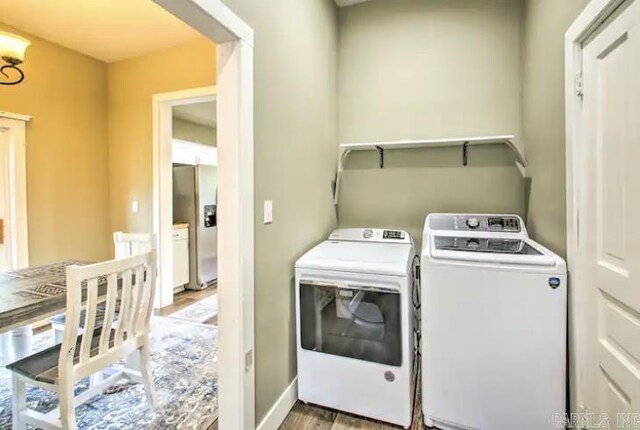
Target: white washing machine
<point>493,325</point>
<point>355,315</point>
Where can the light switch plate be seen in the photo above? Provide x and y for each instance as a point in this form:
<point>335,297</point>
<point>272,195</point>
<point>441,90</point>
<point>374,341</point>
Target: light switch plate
<point>135,207</point>
<point>268,211</point>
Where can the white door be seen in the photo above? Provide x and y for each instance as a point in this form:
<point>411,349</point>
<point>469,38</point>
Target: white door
<point>5,251</point>
<point>609,235</point>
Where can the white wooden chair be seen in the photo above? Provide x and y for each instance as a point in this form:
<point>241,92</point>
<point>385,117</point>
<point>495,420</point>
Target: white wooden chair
<point>58,368</point>
<point>126,245</point>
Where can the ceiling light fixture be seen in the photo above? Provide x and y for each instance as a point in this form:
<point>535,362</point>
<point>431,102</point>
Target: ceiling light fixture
<point>12,49</point>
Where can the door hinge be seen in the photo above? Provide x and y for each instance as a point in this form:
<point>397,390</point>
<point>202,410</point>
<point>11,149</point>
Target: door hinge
<point>579,84</point>
<point>248,360</point>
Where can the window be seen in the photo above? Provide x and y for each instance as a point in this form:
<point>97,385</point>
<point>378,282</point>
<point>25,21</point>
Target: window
<point>352,321</point>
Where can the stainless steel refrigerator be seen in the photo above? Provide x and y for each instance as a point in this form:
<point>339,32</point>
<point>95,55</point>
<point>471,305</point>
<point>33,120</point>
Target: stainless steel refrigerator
<point>195,191</point>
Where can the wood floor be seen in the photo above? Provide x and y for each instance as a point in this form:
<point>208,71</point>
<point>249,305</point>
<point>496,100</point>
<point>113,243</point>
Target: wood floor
<point>304,416</point>
<point>311,417</point>
<point>186,298</point>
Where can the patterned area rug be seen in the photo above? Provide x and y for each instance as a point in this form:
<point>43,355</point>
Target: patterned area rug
<point>200,311</point>
<point>184,364</point>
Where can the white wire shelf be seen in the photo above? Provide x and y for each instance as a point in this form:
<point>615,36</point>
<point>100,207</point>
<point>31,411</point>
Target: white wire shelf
<point>465,142</point>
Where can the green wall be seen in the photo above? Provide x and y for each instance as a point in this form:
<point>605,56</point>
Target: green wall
<point>415,69</point>
<point>192,132</point>
<point>395,69</point>
<point>295,152</point>
<point>545,22</point>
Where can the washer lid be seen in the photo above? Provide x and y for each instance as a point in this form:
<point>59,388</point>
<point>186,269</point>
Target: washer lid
<point>377,258</point>
<point>491,250</point>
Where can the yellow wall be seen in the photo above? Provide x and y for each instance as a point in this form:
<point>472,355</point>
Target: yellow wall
<point>67,178</point>
<point>131,85</point>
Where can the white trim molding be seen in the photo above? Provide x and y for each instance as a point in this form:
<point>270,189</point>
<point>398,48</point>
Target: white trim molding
<point>16,116</point>
<point>16,190</point>
<point>198,13</point>
<point>234,40</point>
<point>587,25</point>
<point>277,414</point>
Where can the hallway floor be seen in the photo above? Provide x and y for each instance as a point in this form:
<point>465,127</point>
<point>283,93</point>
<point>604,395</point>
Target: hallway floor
<point>311,417</point>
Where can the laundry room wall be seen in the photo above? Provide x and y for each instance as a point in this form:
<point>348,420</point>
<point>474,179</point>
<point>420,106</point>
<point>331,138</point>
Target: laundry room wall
<point>545,23</point>
<point>414,69</point>
<point>295,135</point>
<point>192,132</point>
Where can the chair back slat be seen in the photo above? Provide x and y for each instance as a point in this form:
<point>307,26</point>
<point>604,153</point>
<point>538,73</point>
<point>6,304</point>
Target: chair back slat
<point>134,322</point>
<point>110,312</point>
<point>90,319</point>
<point>110,279</point>
<point>126,245</point>
<point>125,305</point>
<point>146,308</point>
<point>150,293</point>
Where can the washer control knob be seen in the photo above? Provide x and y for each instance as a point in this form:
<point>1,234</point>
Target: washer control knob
<point>473,223</point>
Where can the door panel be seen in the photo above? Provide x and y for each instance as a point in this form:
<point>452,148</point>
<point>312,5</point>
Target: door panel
<point>6,262</point>
<point>610,209</point>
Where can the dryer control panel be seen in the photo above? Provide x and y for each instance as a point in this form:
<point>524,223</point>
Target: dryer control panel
<point>370,235</point>
<point>471,222</point>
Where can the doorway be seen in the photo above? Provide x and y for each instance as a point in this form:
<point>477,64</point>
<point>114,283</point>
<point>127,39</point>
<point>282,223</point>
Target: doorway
<point>169,151</point>
<point>603,105</point>
<point>14,244</point>
<point>195,189</point>
<point>6,262</point>
<point>193,211</point>
<point>234,118</point>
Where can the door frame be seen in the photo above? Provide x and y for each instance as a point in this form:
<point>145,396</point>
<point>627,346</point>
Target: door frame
<point>162,105</point>
<point>588,24</point>
<point>16,187</point>
<point>234,85</point>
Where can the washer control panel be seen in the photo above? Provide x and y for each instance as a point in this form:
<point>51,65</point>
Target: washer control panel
<point>393,234</point>
<point>509,224</point>
<point>484,223</point>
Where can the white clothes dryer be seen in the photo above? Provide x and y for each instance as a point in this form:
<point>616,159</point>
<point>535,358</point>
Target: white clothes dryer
<point>355,315</point>
<point>493,325</point>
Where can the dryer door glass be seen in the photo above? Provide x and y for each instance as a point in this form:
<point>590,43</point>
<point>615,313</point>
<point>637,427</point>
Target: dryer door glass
<point>356,322</point>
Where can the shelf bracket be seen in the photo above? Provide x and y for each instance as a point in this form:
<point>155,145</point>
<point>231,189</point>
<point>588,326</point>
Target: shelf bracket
<point>342,161</point>
<point>380,150</point>
<point>465,149</point>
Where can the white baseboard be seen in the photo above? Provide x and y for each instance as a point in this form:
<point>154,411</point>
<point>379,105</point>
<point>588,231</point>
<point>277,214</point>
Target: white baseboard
<point>281,408</point>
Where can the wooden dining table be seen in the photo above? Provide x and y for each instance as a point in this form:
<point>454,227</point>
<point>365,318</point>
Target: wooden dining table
<point>31,295</point>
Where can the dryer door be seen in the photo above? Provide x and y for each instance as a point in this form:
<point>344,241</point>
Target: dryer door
<point>351,321</point>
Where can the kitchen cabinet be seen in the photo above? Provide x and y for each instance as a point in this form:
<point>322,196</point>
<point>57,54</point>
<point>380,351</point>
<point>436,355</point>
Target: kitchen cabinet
<point>180,256</point>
